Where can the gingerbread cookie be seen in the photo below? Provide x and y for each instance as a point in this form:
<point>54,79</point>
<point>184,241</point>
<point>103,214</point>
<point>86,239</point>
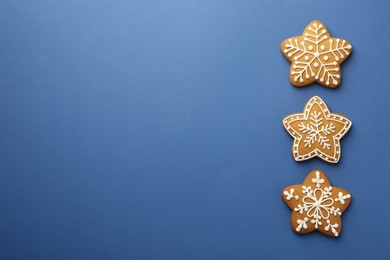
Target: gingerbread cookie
<point>315,56</point>
<point>317,132</point>
<point>316,205</point>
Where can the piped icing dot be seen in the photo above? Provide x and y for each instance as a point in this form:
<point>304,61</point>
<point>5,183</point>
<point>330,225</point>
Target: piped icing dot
<point>322,47</point>
<point>306,57</point>
<point>315,64</point>
<point>310,47</point>
<point>326,57</point>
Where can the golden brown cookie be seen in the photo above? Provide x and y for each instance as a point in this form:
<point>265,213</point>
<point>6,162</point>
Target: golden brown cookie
<point>317,132</point>
<point>315,56</point>
<point>316,205</point>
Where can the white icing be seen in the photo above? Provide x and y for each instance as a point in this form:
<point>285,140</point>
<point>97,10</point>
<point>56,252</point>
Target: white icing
<point>317,180</point>
<point>301,224</point>
<point>312,50</point>
<point>306,189</point>
<point>332,228</point>
<point>290,195</point>
<point>342,197</point>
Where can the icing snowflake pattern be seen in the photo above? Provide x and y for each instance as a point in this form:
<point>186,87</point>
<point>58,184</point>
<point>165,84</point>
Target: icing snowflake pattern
<point>318,208</point>
<point>317,131</point>
<point>316,56</point>
<point>318,205</point>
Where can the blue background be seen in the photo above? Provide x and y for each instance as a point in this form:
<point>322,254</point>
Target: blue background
<point>152,129</point>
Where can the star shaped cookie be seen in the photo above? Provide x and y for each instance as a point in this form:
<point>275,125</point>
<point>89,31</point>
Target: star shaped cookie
<point>316,132</point>
<point>316,205</point>
<point>315,56</point>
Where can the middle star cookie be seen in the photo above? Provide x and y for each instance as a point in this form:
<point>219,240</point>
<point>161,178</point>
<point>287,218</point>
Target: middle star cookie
<point>316,132</point>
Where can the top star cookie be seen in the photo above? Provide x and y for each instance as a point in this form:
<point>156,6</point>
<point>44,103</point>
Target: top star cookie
<point>315,56</point>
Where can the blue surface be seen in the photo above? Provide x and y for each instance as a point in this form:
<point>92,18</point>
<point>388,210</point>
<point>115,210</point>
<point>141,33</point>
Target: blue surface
<point>152,129</point>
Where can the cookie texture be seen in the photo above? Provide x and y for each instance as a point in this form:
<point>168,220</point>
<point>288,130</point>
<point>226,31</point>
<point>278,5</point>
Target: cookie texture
<point>315,56</point>
<point>316,205</point>
<point>316,132</point>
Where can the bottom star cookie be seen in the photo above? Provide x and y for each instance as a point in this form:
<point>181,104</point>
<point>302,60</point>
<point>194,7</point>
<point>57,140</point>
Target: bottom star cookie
<point>316,205</point>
